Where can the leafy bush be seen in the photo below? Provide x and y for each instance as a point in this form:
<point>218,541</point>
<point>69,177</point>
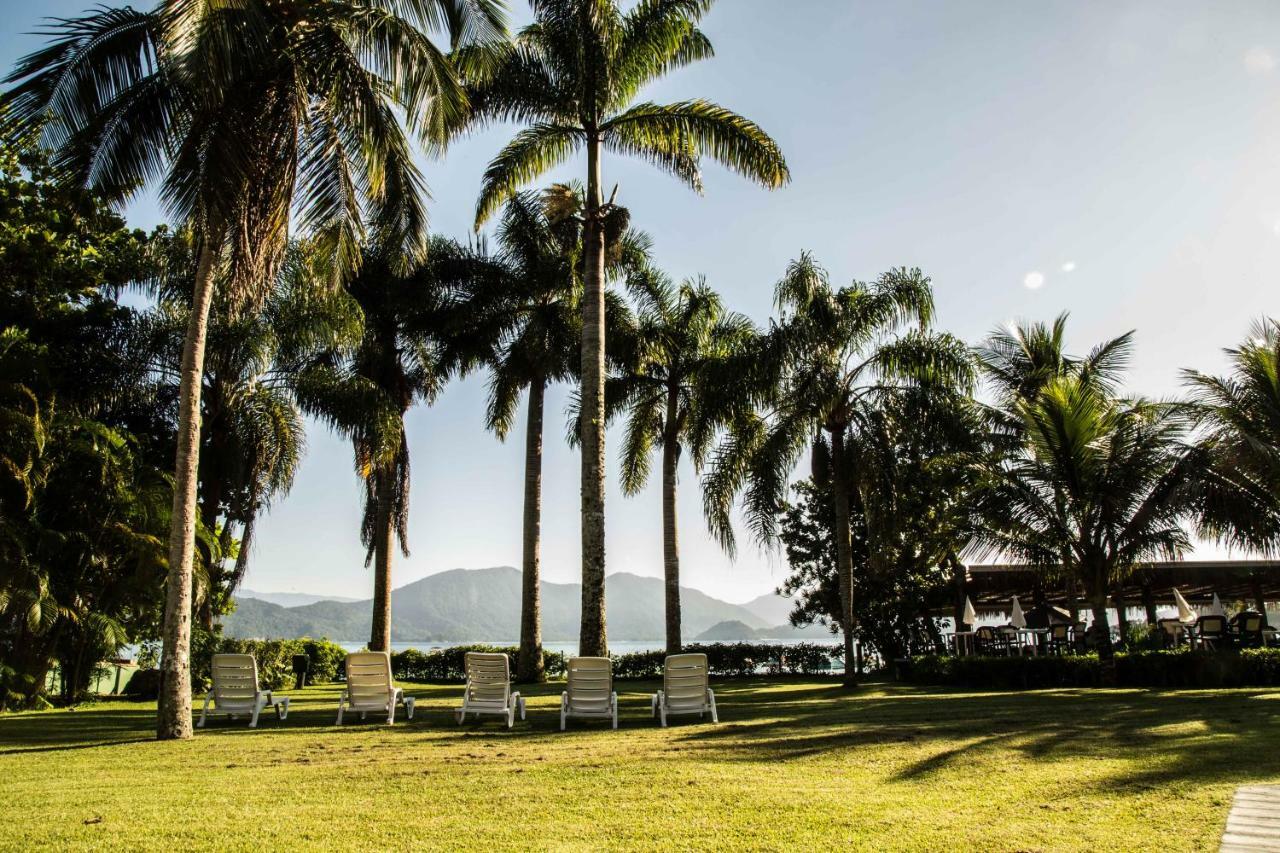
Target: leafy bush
<point>448,665</point>
<point>735,659</point>
<point>1167,668</point>
<point>275,660</point>
<point>145,684</point>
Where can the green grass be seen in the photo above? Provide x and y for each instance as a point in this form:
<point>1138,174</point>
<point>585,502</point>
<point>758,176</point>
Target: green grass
<point>793,764</point>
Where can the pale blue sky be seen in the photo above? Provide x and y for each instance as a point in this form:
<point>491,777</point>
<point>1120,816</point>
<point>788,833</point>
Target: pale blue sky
<point>1122,155</point>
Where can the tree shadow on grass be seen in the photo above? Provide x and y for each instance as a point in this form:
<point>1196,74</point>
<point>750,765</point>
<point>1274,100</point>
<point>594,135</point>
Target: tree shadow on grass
<point>1199,737</point>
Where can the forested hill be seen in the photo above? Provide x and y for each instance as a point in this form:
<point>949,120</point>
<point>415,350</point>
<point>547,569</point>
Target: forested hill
<point>484,604</point>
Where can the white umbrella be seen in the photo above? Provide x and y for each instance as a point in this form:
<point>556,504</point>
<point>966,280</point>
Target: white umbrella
<point>1185,613</point>
<point>970,615</point>
<point>1017,619</point>
<point>1216,608</point>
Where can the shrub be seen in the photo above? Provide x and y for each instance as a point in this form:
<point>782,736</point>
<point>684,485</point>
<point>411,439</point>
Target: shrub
<point>1180,668</point>
<point>145,684</point>
<point>449,665</point>
<point>735,659</point>
<point>275,660</point>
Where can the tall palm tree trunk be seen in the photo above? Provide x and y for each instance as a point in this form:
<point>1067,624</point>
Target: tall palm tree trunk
<point>592,639</point>
<point>174,713</point>
<point>380,634</point>
<point>844,551</point>
<point>670,535</point>
<point>529,667</point>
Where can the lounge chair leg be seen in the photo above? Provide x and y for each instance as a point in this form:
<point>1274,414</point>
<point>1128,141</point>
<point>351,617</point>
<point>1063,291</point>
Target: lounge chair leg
<point>409,702</point>
<point>391,712</point>
<point>521,706</point>
<point>662,713</point>
<point>205,710</point>
<point>258,705</point>
<point>711,698</point>
<point>282,709</point>
<point>341,704</point>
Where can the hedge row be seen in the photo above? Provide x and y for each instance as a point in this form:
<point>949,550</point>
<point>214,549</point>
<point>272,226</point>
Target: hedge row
<point>1169,668</point>
<point>275,663</point>
<point>737,659</point>
<point>447,665</point>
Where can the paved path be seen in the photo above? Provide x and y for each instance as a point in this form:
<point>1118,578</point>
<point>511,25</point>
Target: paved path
<point>1254,821</point>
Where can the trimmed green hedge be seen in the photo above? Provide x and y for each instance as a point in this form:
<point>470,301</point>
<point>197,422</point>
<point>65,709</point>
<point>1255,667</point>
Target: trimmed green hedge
<point>1170,669</point>
<point>447,665</point>
<point>736,659</point>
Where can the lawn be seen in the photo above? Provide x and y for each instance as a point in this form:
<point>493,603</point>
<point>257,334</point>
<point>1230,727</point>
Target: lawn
<point>793,764</point>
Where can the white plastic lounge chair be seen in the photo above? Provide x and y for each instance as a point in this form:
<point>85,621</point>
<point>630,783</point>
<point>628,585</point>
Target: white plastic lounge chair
<point>590,692</point>
<point>489,688</point>
<point>685,689</point>
<point>236,691</point>
<point>370,688</point>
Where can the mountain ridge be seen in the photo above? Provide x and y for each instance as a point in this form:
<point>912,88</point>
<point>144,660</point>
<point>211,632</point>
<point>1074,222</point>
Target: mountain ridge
<point>462,605</point>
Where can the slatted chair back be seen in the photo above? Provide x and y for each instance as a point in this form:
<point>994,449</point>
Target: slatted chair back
<point>1249,622</point>
<point>684,681</point>
<point>590,685</point>
<point>1060,633</point>
<point>235,682</point>
<point>1211,627</point>
<point>369,684</point>
<point>488,678</point>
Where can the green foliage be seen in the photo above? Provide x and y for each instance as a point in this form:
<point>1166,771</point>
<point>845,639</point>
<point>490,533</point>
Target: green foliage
<point>449,665</point>
<point>735,660</point>
<point>1160,669</point>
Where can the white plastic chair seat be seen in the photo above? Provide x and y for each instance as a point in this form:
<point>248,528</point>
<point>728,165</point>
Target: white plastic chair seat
<point>370,687</point>
<point>590,691</point>
<point>685,689</point>
<point>488,689</point>
<point>236,691</point>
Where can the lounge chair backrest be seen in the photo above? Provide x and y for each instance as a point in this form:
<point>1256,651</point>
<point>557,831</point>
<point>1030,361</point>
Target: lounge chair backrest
<point>235,681</point>
<point>1211,626</point>
<point>488,677</point>
<point>590,683</point>
<point>368,679</point>
<point>684,680</point>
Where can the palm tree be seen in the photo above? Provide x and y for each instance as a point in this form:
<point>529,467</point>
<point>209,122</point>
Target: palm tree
<point>405,355</point>
<point>530,308</point>
<point>238,112</point>
<point>1100,485</point>
<point>809,375</point>
<point>572,77</point>
<point>1021,358</point>
<point>681,334</point>
<point>252,435</point>
<point>1240,414</point>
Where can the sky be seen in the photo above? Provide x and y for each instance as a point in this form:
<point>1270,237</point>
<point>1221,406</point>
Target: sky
<point>1116,159</point>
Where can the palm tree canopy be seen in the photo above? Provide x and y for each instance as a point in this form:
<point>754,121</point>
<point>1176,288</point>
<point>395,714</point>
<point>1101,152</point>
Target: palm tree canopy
<point>572,77</point>
<point>681,335</point>
<point>829,350</point>
<point>241,111</point>
<point>1240,416</point>
<point>1101,482</point>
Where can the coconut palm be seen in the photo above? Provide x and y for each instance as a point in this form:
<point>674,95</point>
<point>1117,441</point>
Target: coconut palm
<point>572,78</point>
<point>252,435</point>
<point>1241,416</point>
<point>1100,485</point>
<point>237,112</point>
<point>808,375</point>
<point>681,334</point>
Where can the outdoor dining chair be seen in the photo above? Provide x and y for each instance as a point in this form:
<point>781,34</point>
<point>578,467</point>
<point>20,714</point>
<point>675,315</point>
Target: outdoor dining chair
<point>1246,629</point>
<point>1211,631</point>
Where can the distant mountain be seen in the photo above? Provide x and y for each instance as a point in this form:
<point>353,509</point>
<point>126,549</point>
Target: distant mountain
<point>484,604</point>
<point>291,599</point>
<point>733,631</point>
<point>770,608</point>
